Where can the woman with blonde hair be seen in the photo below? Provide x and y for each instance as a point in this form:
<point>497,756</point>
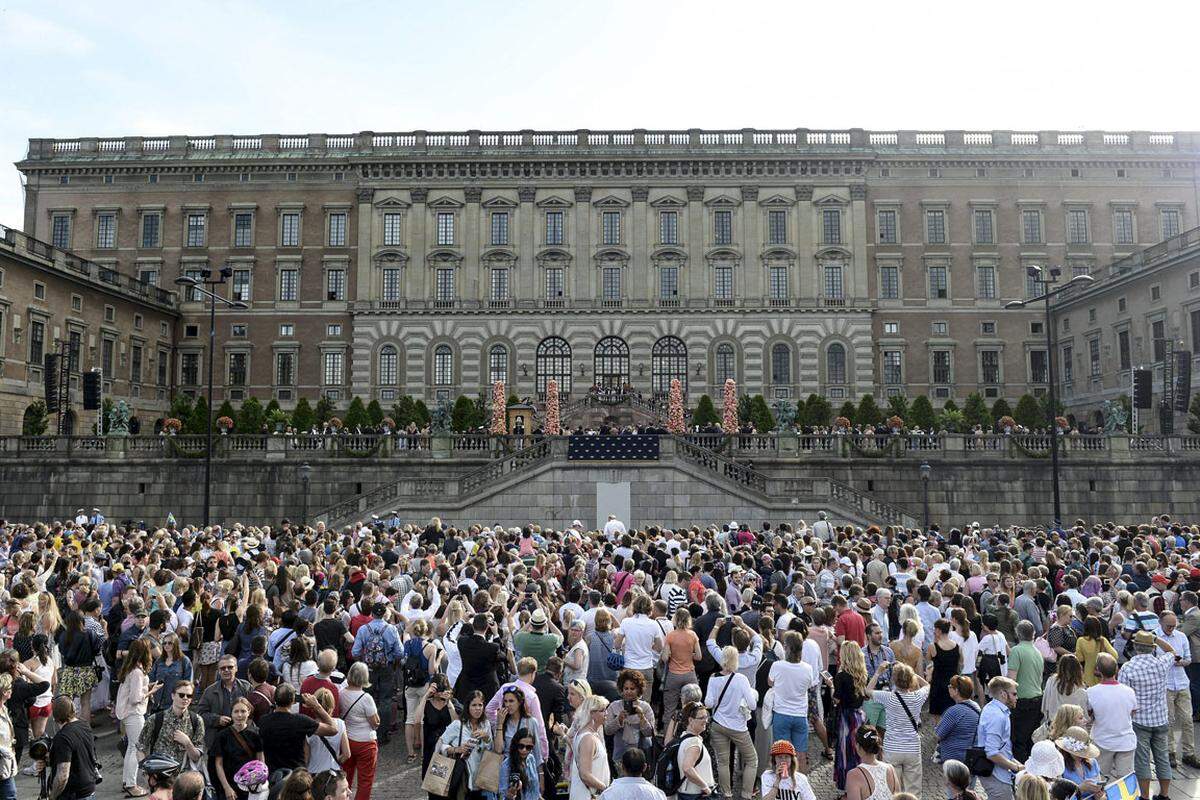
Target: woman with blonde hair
<point>600,647</point>
<point>731,698</point>
<point>849,692</point>
<point>905,648</point>
<point>1067,716</point>
<point>1031,787</point>
<point>589,761</point>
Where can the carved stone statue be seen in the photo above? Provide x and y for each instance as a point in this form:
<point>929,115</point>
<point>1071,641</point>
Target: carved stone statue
<point>118,419</point>
<point>1115,418</point>
<point>439,419</point>
<point>785,413</point>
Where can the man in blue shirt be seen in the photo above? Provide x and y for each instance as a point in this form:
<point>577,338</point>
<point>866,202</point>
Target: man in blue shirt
<point>378,645</point>
<point>995,737</point>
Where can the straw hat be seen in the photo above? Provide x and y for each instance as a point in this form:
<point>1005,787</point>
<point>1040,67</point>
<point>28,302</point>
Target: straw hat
<point>1076,742</point>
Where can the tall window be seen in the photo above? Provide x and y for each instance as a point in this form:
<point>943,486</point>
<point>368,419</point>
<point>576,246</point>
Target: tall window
<point>60,231</point>
<point>938,282</point>
<point>289,285</point>
<point>611,362</point>
<point>1068,364</point>
<point>831,226</point>
<point>337,229</point>
<point>289,230</point>
<point>1123,226</point>
<point>445,228</point>
<point>935,226</point>
<point>553,360</point>
<point>242,230</point>
<point>151,230</point>
<point>889,282</point>
<point>1031,226</point>
<point>106,231</point>
<point>726,363</point>
<point>554,227</point>
<point>887,227</point>
<point>777,227</point>
<point>1169,222</point>
<point>135,363</point>
<point>500,284</point>
<point>148,275</point>
<point>611,227</point>
<point>989,366</point>
<point>332,368</point>
<point>833,281</point>
<point>1093,357</point>
<point>498,364</point>
<point>335,284</point>
<point>612,283</point>
<point>1195,319</point>
<point>190,295</point>
<point>1038,372</point>
<point>37,341</point>
<point>668,227</point>
<point>555,282</point>
<point>668,360</point>
<point>1033,283</point>
<point>668,282</point>
<point>983,227</point>
<point>941,366</point>
<point>189,369</point>
<point>241,285</point>
<point>388,361</point>
<point>1123,346</point>
<point>162,365</point>
<point>285,369</point>
<point>893,374</point>
<point>391,229</point>
<point>778,282</point>
<point>723,282</point>
<point>445,285</point>
<point>74,350</point>
<point>781,364</point>
<point>499,227</point>
<point>196,224</point>
<point>391,284</point>
<point>1158,337</point>
<point>835,363</point>
<point>237,369</point>
<point>723,227</point>
<point>985,282</point>
<point>1077,226</point>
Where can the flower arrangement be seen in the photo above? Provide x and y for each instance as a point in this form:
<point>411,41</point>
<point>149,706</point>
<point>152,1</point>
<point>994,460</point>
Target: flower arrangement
<point>225,423</point>
<point>388,423</point>
<point>1007,424</point>
<point>1061,423</point>
<point>842,423</point>
<point>675,408</point>
<point>553,427</point>
<point>895,422</point>
<point>335,423</point>
<point>172,424</point>
<point>729,418</point>
<point>499,404</point>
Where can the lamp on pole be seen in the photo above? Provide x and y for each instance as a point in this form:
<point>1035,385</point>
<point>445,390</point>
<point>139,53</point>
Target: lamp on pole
<point>1049,277</point>
<point>926,471</point>
<point>197,284</point>
<point>305,472</point>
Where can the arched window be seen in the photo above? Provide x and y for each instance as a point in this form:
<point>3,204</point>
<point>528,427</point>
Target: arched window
<point>726,363</point>
<point>668,359</point>
<point>612,362</point>
<point>835,364</point>
<point>443,365</point>
<point>781,364</point>
<point>553,361</point>
<point>387,365</point>
<point>498,364</point>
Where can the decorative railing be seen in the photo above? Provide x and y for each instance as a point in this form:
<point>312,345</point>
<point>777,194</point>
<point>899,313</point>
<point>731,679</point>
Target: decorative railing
<point>727,468</point>
<point>505,466</point>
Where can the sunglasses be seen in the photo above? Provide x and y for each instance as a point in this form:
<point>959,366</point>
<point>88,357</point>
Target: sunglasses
<point>227,667</point>
<point>524,747</point>
<point>183,696</point>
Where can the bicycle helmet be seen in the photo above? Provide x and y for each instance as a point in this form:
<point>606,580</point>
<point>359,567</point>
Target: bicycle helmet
<point>160,765</point>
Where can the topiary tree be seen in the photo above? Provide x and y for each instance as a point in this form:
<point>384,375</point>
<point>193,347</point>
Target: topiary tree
<point>512,399</point>
<point>898,406</point>
<point>818,411</point>
<point>760,415</point>
<point>303,417</point>
<point>251,417</point>
<point>1028,412</point>
<point>849,411</point>
<point>181,407</point>
<point>950,405</point>
<point>480,417</point>
<point>271,408</point>
<point>375,412</point>
<point>106,409</point>
<point>1000,409</point>
<point>356,415</point>
<point>921,414</point>
<point>706,412</point>
<point>421,415</point>
<point>226,410</point>
<point>975,412</point>
<point>1044,405</point>
<point>197,421</point>
<point>462,418</point>
<point>745,410</point>
<point>868,412</point>
<point>325,410</point>
<point>402,411</point>
<point>34,421</point>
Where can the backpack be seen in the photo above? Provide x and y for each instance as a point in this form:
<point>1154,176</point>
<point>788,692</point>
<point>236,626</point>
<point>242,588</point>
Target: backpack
<point>667,775</point>
<point>374,651</point>
<point>416,666</point>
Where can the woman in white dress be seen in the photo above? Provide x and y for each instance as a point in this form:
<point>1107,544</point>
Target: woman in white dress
<point>590,773</point>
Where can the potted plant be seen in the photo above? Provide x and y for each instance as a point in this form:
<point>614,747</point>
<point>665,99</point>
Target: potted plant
<point>278,420</point>
<point>388,424</point>
<point>335,423</point>
<point>1007,424</point>
<point>224,424</point>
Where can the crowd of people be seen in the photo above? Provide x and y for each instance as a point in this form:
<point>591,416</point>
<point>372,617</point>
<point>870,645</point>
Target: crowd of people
<point>511,663</point>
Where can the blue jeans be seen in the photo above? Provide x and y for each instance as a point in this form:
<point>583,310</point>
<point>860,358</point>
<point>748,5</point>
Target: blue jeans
<point>8,789</point>
<point>793,729</point>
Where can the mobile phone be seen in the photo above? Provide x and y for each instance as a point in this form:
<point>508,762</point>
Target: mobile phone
<point>630,707</point>
<point>825,676</point>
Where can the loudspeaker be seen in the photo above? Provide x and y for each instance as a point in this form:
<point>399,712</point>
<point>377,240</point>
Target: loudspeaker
<point>91,390</point>
<point>1142,388</point>
<point>50,378</point>
<point>1183,379</point>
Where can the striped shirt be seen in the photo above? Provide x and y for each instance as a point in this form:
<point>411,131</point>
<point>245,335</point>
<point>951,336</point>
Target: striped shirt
<point>900,735</point>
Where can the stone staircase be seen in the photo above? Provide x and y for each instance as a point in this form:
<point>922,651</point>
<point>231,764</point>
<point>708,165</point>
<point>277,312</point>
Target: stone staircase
<point>590,411</point>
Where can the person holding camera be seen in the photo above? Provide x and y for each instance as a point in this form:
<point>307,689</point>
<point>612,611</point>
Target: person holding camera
<point>629,721</point>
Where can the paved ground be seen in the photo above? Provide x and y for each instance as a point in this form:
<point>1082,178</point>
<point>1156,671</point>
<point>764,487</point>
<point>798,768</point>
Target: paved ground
<point>397,780</point>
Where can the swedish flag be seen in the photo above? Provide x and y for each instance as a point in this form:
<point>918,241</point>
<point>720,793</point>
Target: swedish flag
<point>1124,789</point>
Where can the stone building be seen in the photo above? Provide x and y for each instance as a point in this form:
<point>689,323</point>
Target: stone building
<point>106,319</point>
<point>794,261</point>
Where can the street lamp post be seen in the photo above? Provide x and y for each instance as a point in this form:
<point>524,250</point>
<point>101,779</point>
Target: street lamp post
<point>305,472</point>
<point>197,284</point>
<point>1049,277</point>
<point>926,471</point>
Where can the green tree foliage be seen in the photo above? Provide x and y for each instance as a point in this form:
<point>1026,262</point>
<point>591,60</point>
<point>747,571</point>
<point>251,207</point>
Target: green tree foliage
<point>181,407</point>
<point>35,421</point>
<point>482,416</point>
<point>403,411</point>
<point>1193,422</point>
<point>303,417</point>
<point>375,412</point>
<point>250,419</point>
<point>1000,409</point>
<point>198,421</point>
<point>706,412</point>
<point>356,415</point>
<point>326,410</point>
<point>226,410</point>
<point>463,415</point>
<point>106,409</point>
<point>1029,412</point>
<point>818,411</point>
<point>975,412</point>
<point>1044,404</point>
<point>271,408</point>
<point>421,414</point>
<point>745,410</point>
<point>868,412</point>
<point>898,406</point>
<point>921,414</point>
<point>760,415</point>
<point>848,410</point>
<point>512,399</point>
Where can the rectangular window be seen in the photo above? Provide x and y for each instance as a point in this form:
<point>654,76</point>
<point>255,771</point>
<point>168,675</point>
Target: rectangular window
<point>500,284</point>
<point>289,285</point>
<point>189,369</point>
<point>1068,366</point>
<point>831,226</point>
<point>887,227</point>
<point>498,366</point>
<point>778,283</point>
<point>499,228</point>
<point>935,226</point>
<point>445,285</point>
<point>1158,336</point>
<point>1033,283</point>
<point>391,230</point>
<point>147,275</point>
<point>891,327</point>
<point>612,283</point>
<point>555,282</point>
<point>611,227</point>
<point>190,295</point>
<point>243,226</point>
<point>985,282</point>
<point>106,232</point>
<point>987,328</point>
<point>237,369</point>
<point>892,372</point>
<point>241,285</point>
<point>1031,226</point>
<point>151,230</point>
<point>723,227</point>
<point>989,366</point>
<point>196,227</point>
<point>287,329</point>
<point>1169,222</point>
<point>238,330</point>
<point>60,231</point>
<point>1123,351</point>
<point>285,369</point>
<point>163,359</point>
<point>984,233</point>
<point>889,282</point>
<point>335,284</point>
<point>337,229</point>
<point>445,228</point>
<point>833,281</point>
<point>554,227</point>
<point>1037,367</point>
<point>1077,226</point>
<point>74,350</point>
<point>1123,226</point>
<point>1094,356</point>
<point>723,282</point>
<point>668,283</point>
<point>332,371</point>
<point>289,230</point>
<point>668,227</point>
<point>391,284</point>
<point>777,227</point>
<point>37,341</point>
<point>135,363</point>
<point>938,283</point>
<point>939,328</point>
<point>941,366</point>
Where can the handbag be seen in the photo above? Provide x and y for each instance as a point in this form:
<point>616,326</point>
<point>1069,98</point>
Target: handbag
<point>614,661</point>
<point>978,762</point>
<point>487,774</point>
<point>437,776</point>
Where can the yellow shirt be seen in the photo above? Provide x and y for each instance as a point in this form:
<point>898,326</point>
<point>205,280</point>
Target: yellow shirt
<point>1086,651</point>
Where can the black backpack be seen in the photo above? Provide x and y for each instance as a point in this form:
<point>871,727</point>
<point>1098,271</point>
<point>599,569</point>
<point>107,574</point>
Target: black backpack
<point>667,774</point>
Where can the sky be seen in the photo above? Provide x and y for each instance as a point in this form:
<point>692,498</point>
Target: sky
<point>115,69</point>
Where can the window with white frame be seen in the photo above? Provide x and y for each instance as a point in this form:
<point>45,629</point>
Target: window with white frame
<point>989,366</point>
<point>723,227</point>
<point>889,282</point>
<point>985,281</point>
<point>777,226</point>
<point>886,224</point>
<point>243,229</point>
<point>285,368</point>
<point>190,295</point>
<point>106,231</point>
<point>668,227</point>
<point>941,363</point>
<point>668,282</point>
<point>726,363</point>
<point>1094,356</point>
<point>240,290</point>
<point>554,227</point>
<point>723,282</point>
<point>1033,283</point>
<point>148,275</point>
<point>1077,226</point>
<point>287,329</point>
<point>935,226</point>
<point>499,228</point>
<point>237,369</point>
<point>778,282</point>
<point>388,361</point>
<point>443,365</point>
<point>332,368</point>
<point>555,282</point>
<point>833,281</point>
<point>60,231</point>
<point>939,327</point>
<point>1123,226</point>
<point>499,284</point>
<point>984,230</point>
<point>1168,222</point>
<point>337,229</point>
<point>835,363</point>
<point>151,229</point>
<point>611,227</point>
<point>893,374</point>
<point>831,226</point>
<point>445,228</point>
<point>289,285</point>
<point>391,229</point>
<point>197,225</point>
<point>391,284</point>
<point>498,364</point>
<point>939,282</point>
<point>289,229</point>
<point>445,285</point>
<point>611,280</point>
<point>1031,226</point>
<point>335,284</point>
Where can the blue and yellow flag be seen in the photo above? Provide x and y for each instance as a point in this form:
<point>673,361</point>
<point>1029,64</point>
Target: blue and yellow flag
<point>1123,789</point>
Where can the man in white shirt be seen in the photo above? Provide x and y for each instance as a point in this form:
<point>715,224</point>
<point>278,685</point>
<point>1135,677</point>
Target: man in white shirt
<point>879,613</point>
<point>1179,695</point>
<point>631,785</point>
<point>642,639</point>
<point>614,528</point>
<point>1112,705</point>
<point>823,528</point>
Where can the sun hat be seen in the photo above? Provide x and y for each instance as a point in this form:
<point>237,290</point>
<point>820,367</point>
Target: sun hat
<point>783,748</point>
<point>1045,760</point>
<point>537,620</point>
<point>1075,740</point>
